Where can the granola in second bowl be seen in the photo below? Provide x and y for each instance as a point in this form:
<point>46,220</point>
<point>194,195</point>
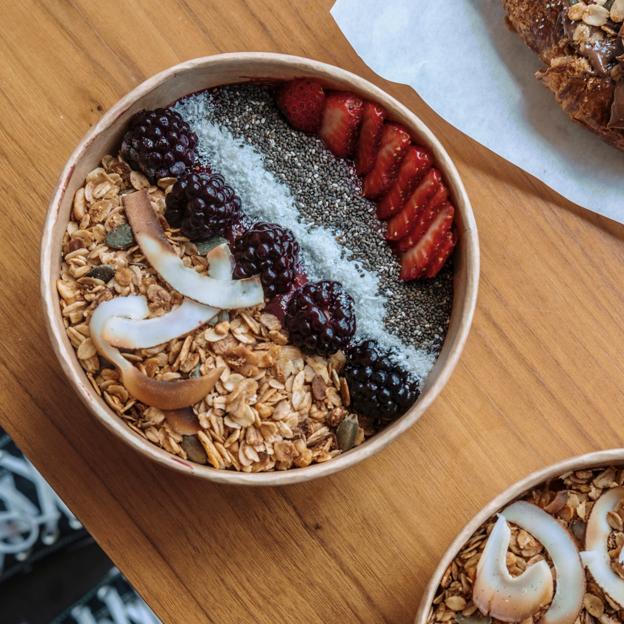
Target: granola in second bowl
<point>580,520</point>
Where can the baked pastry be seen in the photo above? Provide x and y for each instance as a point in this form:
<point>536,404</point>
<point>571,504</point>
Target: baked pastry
<point>582,45</point>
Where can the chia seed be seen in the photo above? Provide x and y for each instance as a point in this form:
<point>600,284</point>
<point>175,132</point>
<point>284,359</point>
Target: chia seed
<point>327,192</point>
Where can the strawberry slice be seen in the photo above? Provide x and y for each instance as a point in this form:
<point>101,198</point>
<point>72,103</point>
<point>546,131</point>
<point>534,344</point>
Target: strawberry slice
<point>340,123</point>
<point>415,261</point>
<point>401,224</point>
<point>368,143</point>
<point>425,218</point>
<point>302,102</point>
<point>416,162</point>
<point>394,143</point>
<point>441,253</point>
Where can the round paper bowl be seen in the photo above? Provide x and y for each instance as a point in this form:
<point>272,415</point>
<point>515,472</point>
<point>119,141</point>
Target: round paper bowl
<point>612,457</point>
<point>202,73</point>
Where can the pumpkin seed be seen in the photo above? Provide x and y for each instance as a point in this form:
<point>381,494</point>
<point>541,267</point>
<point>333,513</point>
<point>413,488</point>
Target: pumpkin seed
<point>203,247</point>
<point>472,619</point>
<point>103,272</point>
<point>347,432</point>
<point>121,237</point>
<point>193,449</point>
<point>578,529</point>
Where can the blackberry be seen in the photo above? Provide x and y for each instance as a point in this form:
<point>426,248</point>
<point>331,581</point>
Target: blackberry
<point>272,252</point>
<point>379,388</point>
<point>159,143</point>
<point>234,230</point>
<point>202,205</point>
<point>320,318</point>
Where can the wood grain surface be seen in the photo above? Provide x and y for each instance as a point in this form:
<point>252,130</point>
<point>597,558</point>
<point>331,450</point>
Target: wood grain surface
<point>541,377</point>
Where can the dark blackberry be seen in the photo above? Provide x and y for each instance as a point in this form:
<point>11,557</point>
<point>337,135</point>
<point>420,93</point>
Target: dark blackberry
<point>272,252</point>
<point>159,143</point>
<point>234,230</point>
<point>202,205</point>
<point>379,388</point>
<point>320,318</point>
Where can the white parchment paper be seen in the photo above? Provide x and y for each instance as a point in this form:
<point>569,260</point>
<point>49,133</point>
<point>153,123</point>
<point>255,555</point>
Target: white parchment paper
<point>461,59</point>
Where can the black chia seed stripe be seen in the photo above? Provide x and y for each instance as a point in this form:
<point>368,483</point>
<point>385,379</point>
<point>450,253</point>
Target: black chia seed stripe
<point>327,192</point>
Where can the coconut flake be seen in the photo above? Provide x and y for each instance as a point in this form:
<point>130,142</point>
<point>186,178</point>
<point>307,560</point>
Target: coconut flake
<point>187,281</point>
<point>220,262</point>
<point>502,596</point>
<point>166,395</point>
<point>142,333</point>
<point>596,556</point>
<point>558,542</point>
<point>266,198</point>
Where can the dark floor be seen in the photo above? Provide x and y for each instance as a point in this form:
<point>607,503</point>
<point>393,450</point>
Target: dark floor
<point>56,583</point>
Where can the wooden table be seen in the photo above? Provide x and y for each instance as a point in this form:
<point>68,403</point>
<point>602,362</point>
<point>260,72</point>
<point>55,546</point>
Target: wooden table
<point>541,377</point>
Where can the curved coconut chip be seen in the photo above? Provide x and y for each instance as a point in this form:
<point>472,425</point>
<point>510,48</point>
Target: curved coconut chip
<point>558,542</point>
<point>166,395</point>
<point>596,556</point>
<point>142,333</point>
<point>558,503</point>
<point>504,597</point>
<point>220,262</point>
<point>159,253</point>
<point>146,333</point>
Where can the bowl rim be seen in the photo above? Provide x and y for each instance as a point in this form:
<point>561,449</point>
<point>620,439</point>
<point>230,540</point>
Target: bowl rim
<point>49,256</point>
<point>594,459</point>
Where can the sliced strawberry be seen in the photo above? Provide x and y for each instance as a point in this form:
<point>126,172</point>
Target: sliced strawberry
<point>425,217</point>
<point>341,121</point>
<point>414,165</point>
<point>431,189</point>
<point>424,220</point>
<point>302,102</point>
<point>415,260</point>
<point>373,117</point>
<point>440,196</point>
<point>392,147</point>
<point>401,224</point>
<point>441,253</point>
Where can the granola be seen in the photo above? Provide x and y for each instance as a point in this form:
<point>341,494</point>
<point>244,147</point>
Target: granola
<point>569,499</point>
<point>273,408</point>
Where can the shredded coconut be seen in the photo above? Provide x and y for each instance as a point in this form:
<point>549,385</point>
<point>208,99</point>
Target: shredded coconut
<point>266,198</point>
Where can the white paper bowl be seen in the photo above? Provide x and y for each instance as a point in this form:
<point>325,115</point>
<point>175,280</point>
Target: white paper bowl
<point>207,72</point>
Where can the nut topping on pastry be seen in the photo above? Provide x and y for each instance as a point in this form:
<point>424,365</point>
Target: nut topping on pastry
<point>582,47</point>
